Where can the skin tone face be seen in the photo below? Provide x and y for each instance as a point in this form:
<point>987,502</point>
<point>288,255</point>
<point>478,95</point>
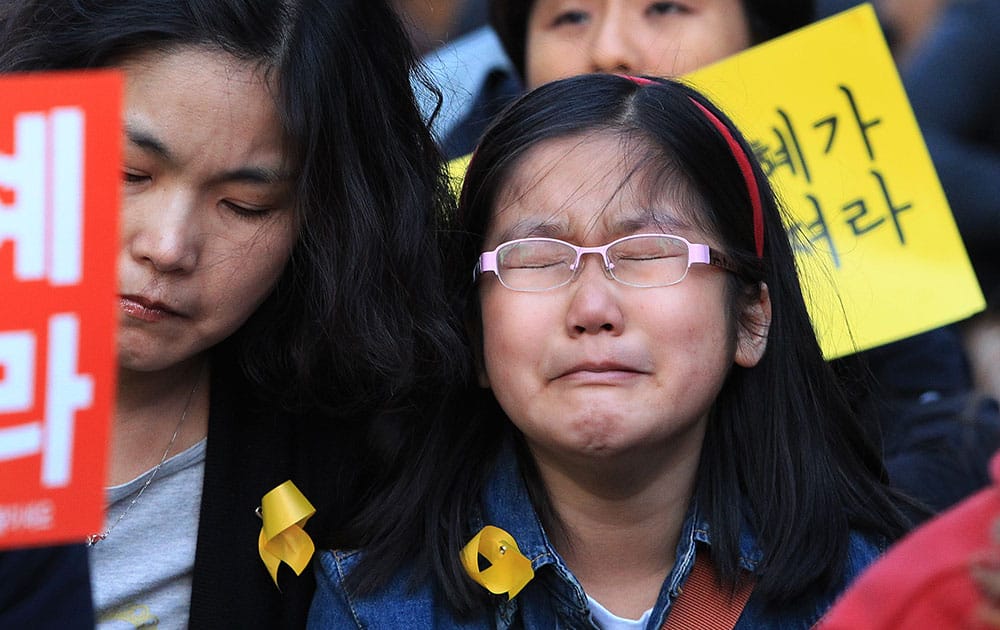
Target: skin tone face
<point>570,37</point>
<point>207,220</point>
<point>597,371</point>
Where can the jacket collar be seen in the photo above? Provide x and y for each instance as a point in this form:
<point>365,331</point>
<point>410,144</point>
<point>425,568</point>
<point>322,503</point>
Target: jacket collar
<point>507,505</point>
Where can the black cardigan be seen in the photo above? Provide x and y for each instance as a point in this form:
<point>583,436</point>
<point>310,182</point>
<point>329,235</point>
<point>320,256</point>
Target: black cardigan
<point>249,452</point>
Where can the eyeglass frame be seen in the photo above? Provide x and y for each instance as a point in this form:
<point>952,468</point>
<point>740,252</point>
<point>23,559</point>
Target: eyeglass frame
<point>697,253</point>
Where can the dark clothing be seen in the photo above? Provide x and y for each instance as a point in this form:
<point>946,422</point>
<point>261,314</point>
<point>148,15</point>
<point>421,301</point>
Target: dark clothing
<point>953,82</point>
<point>46,587</point>
<point>500,88</point>
<point>937,434</point>
<point>941,455</point>
<point>249,452</point>
<point>921,368</point>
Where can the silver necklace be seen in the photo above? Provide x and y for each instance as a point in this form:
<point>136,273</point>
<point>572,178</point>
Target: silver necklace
<point>93,539</point>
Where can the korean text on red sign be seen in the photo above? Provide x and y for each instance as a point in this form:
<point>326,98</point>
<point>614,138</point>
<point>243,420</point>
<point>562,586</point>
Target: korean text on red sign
<point>59,188</point>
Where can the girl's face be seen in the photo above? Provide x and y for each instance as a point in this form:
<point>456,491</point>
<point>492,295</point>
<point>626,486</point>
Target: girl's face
<point>570,37</point>
<point>207,221</point>
<point>596,368</point>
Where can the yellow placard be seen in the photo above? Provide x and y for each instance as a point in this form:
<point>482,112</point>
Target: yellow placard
<point>826,113</point>
<point>456,172</point>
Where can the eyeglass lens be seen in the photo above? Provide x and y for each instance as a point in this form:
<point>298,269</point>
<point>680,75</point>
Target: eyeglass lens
<point>642,261</point>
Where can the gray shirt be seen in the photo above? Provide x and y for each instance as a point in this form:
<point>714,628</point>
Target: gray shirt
<point>141,573</point>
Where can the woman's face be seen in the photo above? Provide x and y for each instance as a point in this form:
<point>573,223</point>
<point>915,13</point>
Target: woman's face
<point>596,368</point>
<point>570,37</point>
<point>207,221</point>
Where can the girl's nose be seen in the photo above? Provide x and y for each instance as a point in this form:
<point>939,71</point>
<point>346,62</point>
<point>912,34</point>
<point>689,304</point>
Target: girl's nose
<point>595,305</point>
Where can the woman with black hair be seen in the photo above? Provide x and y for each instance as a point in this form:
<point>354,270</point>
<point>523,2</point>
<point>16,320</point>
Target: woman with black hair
<point>280,292</point>
<point>551,39</point>
<point>655,433</point>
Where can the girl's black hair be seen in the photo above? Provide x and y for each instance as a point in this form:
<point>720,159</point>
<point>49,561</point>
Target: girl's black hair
<point>358,319</point>
<point>783,449</point>
<point>768,19</point>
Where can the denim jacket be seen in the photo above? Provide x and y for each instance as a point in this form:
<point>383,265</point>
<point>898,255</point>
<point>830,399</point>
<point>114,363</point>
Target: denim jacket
<point>554,599</point>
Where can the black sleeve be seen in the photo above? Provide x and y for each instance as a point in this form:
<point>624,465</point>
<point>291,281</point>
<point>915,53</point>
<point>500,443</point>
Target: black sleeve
<point>45,587</point>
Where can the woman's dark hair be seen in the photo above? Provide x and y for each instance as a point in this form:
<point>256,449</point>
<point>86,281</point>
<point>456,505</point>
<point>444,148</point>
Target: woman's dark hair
<point>783,450</point>
<point>358,319</point>
<point>768,19</point>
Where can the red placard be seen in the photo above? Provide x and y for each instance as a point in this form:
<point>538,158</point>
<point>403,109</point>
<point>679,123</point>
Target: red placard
<point>60,157</point>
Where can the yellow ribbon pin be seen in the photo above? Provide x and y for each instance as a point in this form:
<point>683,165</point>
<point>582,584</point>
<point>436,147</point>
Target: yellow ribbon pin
<point>285,511</point>
<point>509,570</point>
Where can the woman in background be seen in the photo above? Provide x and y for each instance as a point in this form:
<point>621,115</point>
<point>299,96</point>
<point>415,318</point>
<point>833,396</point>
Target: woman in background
<point>280,297</point>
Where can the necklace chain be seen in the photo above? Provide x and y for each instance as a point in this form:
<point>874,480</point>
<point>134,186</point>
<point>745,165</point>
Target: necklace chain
<point>93,539</point>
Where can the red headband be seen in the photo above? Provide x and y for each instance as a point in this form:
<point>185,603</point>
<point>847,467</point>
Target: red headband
<point>741,159</point>
<point>744,163</point>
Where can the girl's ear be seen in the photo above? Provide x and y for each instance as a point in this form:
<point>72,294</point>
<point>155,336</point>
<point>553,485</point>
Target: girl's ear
<point>476,341</point>
<point>755,322</point>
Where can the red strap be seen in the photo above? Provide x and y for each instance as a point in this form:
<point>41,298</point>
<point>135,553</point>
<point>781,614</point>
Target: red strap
<point>704,603</point>
<point>748,177</point>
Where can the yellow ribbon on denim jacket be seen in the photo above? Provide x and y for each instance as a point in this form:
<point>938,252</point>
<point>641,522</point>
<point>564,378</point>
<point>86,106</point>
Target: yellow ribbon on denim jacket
<point>508,571</point>
<point>285,511</point>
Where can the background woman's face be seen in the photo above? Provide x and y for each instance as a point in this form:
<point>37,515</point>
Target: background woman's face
<point>570,37</point>
<point>207,220</point>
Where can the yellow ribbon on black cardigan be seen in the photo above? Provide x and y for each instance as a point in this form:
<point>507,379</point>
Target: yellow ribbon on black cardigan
<point>285,511</point>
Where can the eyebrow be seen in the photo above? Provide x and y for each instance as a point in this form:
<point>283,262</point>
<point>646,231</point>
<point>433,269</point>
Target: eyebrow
<point>533,228</point>
<point>248,174</point>
<point>649,217</point>
<point>148,142</point>
<point>642,219</point>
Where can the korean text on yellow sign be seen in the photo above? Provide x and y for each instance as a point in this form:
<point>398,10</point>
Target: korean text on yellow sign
<point>827,116</point>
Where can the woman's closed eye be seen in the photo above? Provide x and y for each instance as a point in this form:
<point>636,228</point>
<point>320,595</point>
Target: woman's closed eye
<point>247,210</point>
<point>570,18</point>
<point>134,177</point>
<point>665,8</point>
